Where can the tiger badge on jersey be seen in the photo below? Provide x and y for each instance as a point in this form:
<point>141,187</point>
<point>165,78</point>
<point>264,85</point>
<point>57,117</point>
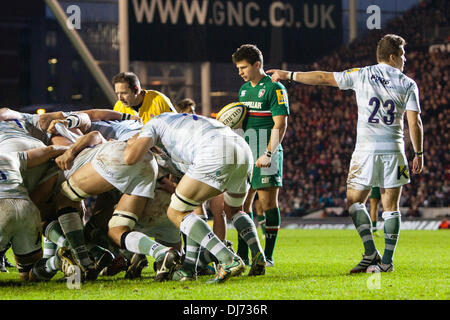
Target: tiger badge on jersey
<point>261,93</point>
<point>281,96</point>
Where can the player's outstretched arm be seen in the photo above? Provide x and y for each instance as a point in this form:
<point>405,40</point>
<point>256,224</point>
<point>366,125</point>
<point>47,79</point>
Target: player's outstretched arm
<point>106,114</point>
<point>136,149</point>
<point>311,77</point>
<point>65,160</point>
<point>416,134</point>
<point>38,156</point>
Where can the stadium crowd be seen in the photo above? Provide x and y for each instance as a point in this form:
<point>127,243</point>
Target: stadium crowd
<point>321,132</point>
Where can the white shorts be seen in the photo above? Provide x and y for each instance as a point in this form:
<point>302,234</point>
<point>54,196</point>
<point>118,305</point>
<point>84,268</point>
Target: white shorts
<point>154,221</point>
<point>30,176</point>
<point>377,170</point>
<point>108,160</point>
<point>20,224</point>
<point>224,163</point>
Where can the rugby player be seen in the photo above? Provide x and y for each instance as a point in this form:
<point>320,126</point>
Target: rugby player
<point>383,94</point>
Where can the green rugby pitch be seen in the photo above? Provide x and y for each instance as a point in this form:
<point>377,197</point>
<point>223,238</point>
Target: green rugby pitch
<point>309,265</point>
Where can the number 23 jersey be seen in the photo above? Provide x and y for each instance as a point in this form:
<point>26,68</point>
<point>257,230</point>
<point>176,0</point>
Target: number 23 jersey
<point>383,94</point>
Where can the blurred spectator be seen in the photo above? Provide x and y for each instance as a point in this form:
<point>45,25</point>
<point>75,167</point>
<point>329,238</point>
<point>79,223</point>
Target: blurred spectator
<point>444,224</point>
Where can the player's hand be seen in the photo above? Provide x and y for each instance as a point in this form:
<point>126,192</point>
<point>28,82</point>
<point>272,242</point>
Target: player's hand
<point>417,166</point>
<point>52,129</point>
<point>263,162</point>
<point>137,118</point>
<point>132,139</point>
<point>65,161</point>
<point>278,75</point>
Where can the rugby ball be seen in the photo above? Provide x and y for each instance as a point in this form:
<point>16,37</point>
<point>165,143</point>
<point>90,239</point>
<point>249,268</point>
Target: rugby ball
<point>232,115</point>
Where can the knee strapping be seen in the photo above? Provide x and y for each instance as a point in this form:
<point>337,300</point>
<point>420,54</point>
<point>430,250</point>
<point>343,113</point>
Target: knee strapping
<point>233,202</point>
<point>123,219</point>
<point>390,215</point>
<point>72,191</point>
<point>355,207</point>
<point>181,203</point>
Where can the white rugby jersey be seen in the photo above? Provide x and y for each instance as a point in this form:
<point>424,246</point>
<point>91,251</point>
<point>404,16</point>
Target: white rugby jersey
<point>383,93</point>
<point>117,130</point>
<point>182,135</point>
<point>27,127</point>
<point>11,182</point>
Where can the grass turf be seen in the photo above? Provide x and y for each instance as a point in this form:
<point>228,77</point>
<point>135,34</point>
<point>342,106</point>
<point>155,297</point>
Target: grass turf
<point>309,265</point>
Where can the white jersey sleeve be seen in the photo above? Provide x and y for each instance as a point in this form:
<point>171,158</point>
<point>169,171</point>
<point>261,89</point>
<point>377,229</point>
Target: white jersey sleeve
<point>347,79</point>
<point>412,101</point>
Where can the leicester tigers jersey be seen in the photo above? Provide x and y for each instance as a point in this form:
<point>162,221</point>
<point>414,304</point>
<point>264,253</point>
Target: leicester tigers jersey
<point>11,183</point>
<point>182,135</point>
<point>383,94</point>
<point>264,101</point>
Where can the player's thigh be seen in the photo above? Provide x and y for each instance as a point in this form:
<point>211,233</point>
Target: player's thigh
<point>196,190</point>
<point>357,195</point>
<point>390,198</point>
<point>8,223</point>
<point>90,181</point>
<point>132,203</point>
<point>27,236</point>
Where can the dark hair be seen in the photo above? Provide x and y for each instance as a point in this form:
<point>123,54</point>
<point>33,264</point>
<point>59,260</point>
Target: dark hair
<point>389,44</point>
<point>127,77</point>
<point>249,53</point>
<point>186,105</point>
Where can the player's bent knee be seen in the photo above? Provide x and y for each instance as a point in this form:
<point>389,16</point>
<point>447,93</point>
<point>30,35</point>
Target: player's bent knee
<point>233,202</point>
<point>390,215</point>
<point>122,219</point>
<point>181,203</point>
<point>355,207</point>
<point>25,262</point>
<point>70,190</point>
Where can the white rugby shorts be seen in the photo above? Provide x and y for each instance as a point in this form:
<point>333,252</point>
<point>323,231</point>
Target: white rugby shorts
<point>108,160</point>
<point>20,224</point>
<point>224,163</point>
<point>369,170</point>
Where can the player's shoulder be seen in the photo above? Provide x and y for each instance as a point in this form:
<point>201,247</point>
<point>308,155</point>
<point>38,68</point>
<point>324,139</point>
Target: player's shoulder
<point>245,86</point>
<point>155,94</point>
<point>119,106</point>
<point>408,82</point>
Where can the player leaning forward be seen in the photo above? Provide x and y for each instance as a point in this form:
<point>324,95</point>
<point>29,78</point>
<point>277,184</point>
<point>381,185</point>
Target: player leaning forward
<point>383,94</point>
<point>218,161</point>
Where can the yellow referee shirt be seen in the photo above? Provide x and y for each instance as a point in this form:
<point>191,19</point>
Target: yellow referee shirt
<point>154,104</point>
